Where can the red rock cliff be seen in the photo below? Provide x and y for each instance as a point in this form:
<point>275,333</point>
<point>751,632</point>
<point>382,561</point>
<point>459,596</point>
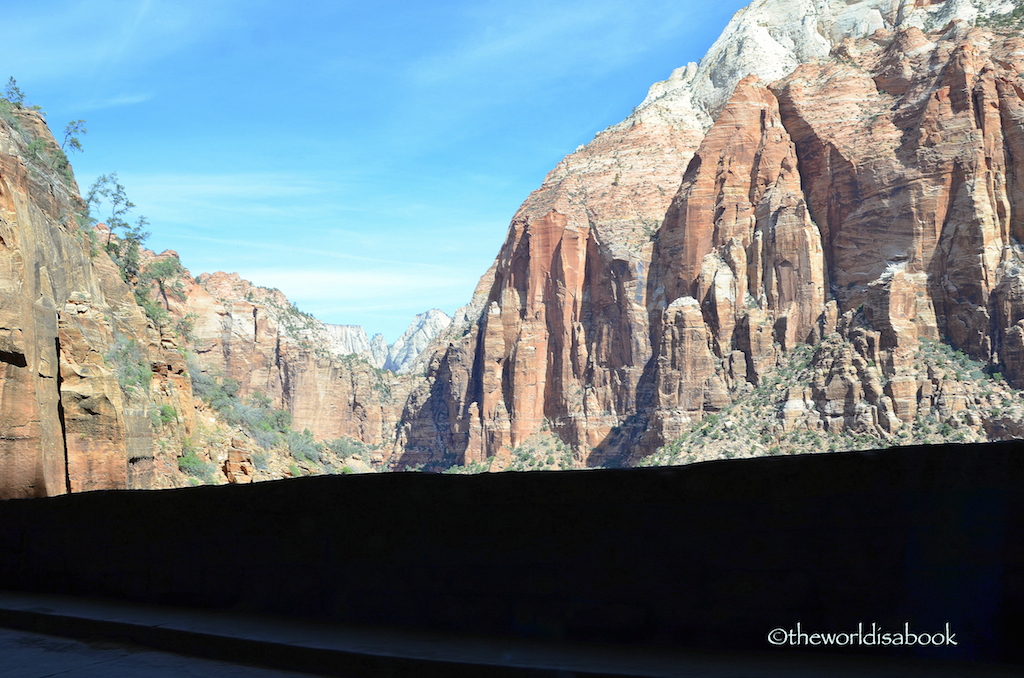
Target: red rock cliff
<point>81,368</point>
<point>255,336</point>
<point>871,198</point>
<point>562,337</point>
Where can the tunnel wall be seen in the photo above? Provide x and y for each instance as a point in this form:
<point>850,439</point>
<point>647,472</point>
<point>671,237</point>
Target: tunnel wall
<point>710,556</point>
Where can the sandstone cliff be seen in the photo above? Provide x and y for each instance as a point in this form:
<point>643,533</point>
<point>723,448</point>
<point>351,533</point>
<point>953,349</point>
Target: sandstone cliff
<point>88,386</point>
<point>256,337</point>
<point>831,170</point>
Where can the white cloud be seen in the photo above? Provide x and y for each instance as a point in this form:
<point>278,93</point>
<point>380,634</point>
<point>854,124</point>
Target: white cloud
<point>111,102</point>
<point>400,268</point>
<point>75,39</point>
<point>242,186</point>
<point>205,200</point>
<point>352,286</point>
<point>536,42</point>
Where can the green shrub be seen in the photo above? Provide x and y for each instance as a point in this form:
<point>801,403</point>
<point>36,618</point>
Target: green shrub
<point>190,464</point>
<point>131,367</point>
<point>266,439</point>
<point>257,415</point>
<point>7,113</point>
<point>163,416</point>
<point>304,446</point>
<point>36,150</point>
<point>261,460</point>
<point>185,328</point>
<point>153,310</point>
<point>346,447</point>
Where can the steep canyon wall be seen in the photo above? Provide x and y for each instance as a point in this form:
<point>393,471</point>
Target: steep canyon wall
<point>860,186</point>
<point>779,249</point>
<point>81,368</point>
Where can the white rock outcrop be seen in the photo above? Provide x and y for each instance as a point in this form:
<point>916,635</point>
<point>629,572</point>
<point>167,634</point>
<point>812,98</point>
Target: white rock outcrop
<point>347,339</point>
<point>423,328</point>
<point>343,340</point>
<point>770,38</point>
<point>378,354</point>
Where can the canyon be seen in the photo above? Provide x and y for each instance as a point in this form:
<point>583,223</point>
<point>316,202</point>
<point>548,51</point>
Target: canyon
<point>809,241</point>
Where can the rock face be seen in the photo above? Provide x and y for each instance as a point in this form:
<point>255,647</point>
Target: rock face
<point>239,468</point>
<point>347,339</point>
<point>830,168</point>
<point>738,246</point>
<point>351,340</point>
<point>81,368</point>
<point>423,328</point>
<point>256,337</point>
<point>378,350</point>
<point>812,240</point>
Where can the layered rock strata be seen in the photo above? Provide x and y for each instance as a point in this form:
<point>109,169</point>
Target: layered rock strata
<point>624,305</point>
<point>904,206</point>
<point>256,337</point>
<point>81,369</point>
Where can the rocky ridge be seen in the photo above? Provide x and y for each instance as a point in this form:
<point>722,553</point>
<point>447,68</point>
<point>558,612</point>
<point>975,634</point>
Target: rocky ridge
<point>328,377</point>
<point>257,338</point>
<point>352,340</point>
<point>624,307</point>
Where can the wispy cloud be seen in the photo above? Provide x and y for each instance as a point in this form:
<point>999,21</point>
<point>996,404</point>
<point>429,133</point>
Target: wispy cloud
<point>204,200</point>
<point>510,57</point>
<point>347,286</point>
<point>75,39</point>
<point>328,254</point>
<point>538,41</point>
<point>239,186</point>
<point>111,102</point>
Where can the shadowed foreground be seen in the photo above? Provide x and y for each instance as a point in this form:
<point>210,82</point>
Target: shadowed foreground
<point>710,557</point>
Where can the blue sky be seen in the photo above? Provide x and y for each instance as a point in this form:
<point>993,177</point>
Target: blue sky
<point>365,158</point>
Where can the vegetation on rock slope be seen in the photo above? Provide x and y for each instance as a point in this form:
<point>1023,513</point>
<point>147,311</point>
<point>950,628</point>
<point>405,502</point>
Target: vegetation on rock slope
<point>755,425</point>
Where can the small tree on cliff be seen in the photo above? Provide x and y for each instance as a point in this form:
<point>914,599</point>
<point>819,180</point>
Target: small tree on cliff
<point>71,132</point>
<point>107,189</point>
<point>128,250</point>
<point>124,245</point>
<point>125,251</point>
<point>165,273</point>
<point>14,94</point>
